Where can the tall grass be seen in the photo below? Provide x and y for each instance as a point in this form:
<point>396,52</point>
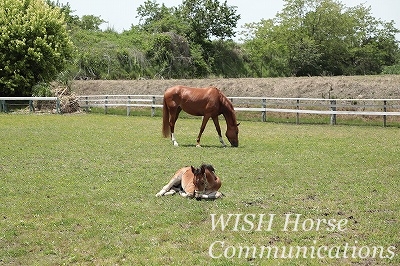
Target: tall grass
<point>80,189</point>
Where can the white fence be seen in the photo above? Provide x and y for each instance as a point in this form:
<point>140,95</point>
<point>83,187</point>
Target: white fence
<point>30,100</point>
<point>263,105</point>
<point>128,101</point>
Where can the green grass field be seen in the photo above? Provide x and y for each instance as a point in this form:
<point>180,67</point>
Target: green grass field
<point>80,189</point>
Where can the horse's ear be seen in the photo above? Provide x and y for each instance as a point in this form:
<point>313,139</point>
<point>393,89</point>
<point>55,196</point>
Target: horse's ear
<point>193,169</point>
<point>203,169</point>
<point>238,124</point>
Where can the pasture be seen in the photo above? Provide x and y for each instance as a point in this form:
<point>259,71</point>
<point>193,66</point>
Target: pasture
<point>80,189</point>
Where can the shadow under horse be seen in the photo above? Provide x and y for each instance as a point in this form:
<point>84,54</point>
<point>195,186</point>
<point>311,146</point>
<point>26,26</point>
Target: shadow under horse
<point>191,182</point>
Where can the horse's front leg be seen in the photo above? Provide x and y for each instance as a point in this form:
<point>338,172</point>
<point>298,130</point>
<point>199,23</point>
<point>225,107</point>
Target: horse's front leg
<point>212,195</point>
<point>186,194</point>
<point>218,128</point>
<point>203,126</point>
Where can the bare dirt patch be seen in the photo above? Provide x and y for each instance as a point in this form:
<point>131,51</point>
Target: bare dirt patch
<point>375,87</point>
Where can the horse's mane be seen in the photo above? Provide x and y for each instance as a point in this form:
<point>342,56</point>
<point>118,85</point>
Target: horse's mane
<point>208,166</point>
<point>227,108</point>
<point>224,100</point>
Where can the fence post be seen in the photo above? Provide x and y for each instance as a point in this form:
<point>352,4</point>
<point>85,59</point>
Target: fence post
<point>2,106</point>
<point>31,107</point>
<point>333,116</point>
<point>128,108</point>
<point>384,109</point>
<point>297,114</point>
<point>58,109</point>
<point>264,113</point>
<point>153,109</point>
<point>87,104</point>
<point>105,104</point>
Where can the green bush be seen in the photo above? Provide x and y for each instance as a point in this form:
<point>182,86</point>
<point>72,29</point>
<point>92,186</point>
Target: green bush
<point>34,45</point>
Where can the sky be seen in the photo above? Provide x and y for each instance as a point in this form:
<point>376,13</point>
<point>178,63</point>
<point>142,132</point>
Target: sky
<point>121,14</point>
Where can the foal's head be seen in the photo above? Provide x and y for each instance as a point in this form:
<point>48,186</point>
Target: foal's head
<point>200,179</point>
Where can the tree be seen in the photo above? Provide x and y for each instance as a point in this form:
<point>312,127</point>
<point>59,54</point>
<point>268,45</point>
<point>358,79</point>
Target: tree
<point>90,22</point>
<point>169,54</point>
<point>182,38</point>
<point>323,37</point>
<point>71,20</point>
<point>269,55</point>
<point>34,45</point>
<point>155,18</point>
<point>86,22</point>
<point>198,20</point>
<point>208,19</point>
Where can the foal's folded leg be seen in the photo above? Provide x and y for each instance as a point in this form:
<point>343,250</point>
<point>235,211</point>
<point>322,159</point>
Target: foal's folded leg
<point>186,195</point>
<point>212,195</point>
<point>173,184</point>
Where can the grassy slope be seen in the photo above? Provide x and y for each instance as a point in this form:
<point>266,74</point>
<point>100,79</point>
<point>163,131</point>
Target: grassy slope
<point>80,189</point>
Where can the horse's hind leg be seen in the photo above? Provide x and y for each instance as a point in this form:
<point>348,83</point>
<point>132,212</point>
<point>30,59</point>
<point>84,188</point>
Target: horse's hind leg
<point>168,189</point>
<point>172,120</point>
<point>174,140</point>
<point>218,128</point>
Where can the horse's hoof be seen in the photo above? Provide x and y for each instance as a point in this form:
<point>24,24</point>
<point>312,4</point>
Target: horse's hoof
<point>198,145</point>
<point>176,144</point>
<point>160,193</point>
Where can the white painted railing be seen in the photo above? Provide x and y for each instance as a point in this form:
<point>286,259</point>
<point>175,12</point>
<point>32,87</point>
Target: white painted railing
<point>128,101</point>
<point>4,100</point>
<point>264,105</point>
<point>332,107</point>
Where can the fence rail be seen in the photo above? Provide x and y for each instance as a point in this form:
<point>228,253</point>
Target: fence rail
<point>263,105</point>
<point>128,101</point>
<point>4,100</point>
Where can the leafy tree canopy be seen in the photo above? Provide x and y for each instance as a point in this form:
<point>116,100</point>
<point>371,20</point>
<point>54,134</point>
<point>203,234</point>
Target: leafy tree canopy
<point>198,20</point>
<point>192,40</point>
<point>322,37</point>
<point>156,18</point>
<point>208,19</point>
<point>34,45</point>
<point>184,39</point>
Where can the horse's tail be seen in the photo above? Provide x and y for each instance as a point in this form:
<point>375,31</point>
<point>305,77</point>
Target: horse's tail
<point>166,130</point>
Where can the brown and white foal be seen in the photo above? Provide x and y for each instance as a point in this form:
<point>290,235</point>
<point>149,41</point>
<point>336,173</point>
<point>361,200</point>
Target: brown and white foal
<point>201,183</point>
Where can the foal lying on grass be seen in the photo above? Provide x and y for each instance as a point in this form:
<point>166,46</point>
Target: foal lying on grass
<point>201,183</point>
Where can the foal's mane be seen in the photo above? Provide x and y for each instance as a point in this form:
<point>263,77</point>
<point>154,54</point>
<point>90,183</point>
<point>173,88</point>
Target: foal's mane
<point>208,166</point>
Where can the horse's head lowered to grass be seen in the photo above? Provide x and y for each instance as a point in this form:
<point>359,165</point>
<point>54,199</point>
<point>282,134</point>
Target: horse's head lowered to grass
<point>232,133</point>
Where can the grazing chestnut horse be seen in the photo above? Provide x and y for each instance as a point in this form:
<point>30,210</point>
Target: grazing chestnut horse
<point>201,183</point>
<point>206,102</point>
